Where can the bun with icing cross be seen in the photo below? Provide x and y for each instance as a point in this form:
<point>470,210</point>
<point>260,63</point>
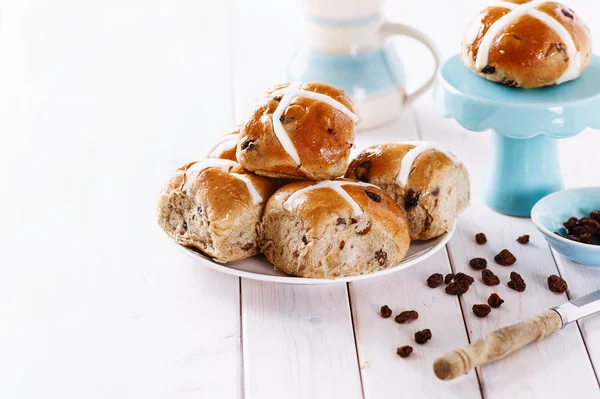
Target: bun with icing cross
<point>299,131</point>
<point>226,145</point>
<point>215,206</point>
<point>527,44</point>
<point>430,184</point>
<point>333,228</point>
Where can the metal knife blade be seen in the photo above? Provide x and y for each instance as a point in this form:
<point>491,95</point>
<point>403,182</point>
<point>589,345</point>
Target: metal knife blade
<point>578,308</point>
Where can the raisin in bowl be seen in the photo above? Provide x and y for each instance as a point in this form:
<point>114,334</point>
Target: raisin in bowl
<point>551,213</point>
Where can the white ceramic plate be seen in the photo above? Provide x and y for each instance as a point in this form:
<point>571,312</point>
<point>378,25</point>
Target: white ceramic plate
<point>258,268</point>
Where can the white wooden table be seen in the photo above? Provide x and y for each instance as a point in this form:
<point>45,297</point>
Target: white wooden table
<point>101,101</point>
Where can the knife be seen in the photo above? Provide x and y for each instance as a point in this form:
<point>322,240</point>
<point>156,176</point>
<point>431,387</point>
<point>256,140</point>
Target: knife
<point>507,340</point>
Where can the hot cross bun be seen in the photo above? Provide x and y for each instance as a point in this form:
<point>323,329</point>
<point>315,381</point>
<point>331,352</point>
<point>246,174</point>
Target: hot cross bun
<point>299,131</point>
<point>331,229</point>
<point>527,44</point>
<point>430,184</point>
<point>215,206</point>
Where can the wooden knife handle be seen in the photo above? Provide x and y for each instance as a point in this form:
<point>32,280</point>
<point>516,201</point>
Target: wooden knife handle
<point>497,345</point>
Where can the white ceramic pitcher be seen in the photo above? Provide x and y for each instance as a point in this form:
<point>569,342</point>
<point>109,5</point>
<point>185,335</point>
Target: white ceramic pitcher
<point>344,45</point>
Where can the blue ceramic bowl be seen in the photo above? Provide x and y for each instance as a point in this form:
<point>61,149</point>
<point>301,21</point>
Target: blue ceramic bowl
<point>549,214</point>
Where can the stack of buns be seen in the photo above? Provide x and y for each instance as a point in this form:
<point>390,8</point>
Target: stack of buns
<point>275,185</point>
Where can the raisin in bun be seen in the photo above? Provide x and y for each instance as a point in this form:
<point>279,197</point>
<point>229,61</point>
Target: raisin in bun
<point>431,185</point>
<point>527,44</point>
<point>299,131</point>
<point>226,145</point>
<point>331,229</point>
<point>215,206</point>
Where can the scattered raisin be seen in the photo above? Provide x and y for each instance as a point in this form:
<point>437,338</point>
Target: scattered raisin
<point>248,247</point>
<point>304,240</point>
<point>523,239</point>
<point>248,145</point>
<point>353,221</point>
<point>478,263</point>
<point>505,258</point>
<point>330,130</point>
<point>412,199</point>
<point>489,278</point>
<point>516,282</point>
<point>386,312</point>
<point>595,215</point>
<point>362,171</point>
<point>481,310</point>
<point>488,70</point>
<point>457,287</point>
<point>435,191</point>
<point>284,119</point>
<point>363,228</point>
<point>404,351</point>
<point>381,257</point>
<point>406,316</point>
<point>296,253</point>
<point>567,13</point>
<point>340,221</point>
<point>373,196</point>
<point>435,280</point>
<point>495,301</point>
<point>421,337</point>
<point>557,284</point>
<point>449,277</point>
<point>464,277</point>
<point>199,210</point>
<point>277,98</point>
<point>342,245</point>
<point>184,226</point>
<point>560,48</point>
<point>480,238</point>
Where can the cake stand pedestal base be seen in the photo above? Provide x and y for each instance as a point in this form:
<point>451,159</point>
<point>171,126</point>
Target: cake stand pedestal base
<point>520,173</point>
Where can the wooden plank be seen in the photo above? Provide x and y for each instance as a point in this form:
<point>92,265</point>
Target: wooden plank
<point>298,342</point>
<point>543,367</point>
<point>384,373</point>
<point>104,102</point>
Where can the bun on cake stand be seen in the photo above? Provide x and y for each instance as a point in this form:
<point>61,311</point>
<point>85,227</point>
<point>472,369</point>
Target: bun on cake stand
<point>526,126</point>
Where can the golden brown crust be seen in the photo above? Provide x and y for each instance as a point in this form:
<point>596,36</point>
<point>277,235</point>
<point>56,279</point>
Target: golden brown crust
<point>224,194</point>
<point>321,134</point>
<point>321,237</point>
<point>436,192</point>
<point>384,164</point>
<point>215,212</point>
<point>319,207</point>
<point>226,145</point>
<point>528,53</point>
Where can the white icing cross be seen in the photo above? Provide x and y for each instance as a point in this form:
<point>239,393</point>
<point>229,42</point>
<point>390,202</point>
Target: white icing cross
<point>191,174</point>
<point>516,12</point>
<point>412,154</point>
<point>287,95</point>
<point>336,186</point>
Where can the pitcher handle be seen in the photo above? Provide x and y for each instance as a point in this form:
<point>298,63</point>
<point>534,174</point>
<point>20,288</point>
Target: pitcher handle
<point>388,29</point>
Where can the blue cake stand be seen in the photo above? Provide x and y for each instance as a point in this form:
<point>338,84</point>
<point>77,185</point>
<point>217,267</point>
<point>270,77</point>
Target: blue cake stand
<point>525,125</point>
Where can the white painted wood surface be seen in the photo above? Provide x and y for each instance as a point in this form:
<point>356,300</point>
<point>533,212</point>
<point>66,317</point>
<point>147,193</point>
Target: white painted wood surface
<point>534,262</point>
<point>99,102</point>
